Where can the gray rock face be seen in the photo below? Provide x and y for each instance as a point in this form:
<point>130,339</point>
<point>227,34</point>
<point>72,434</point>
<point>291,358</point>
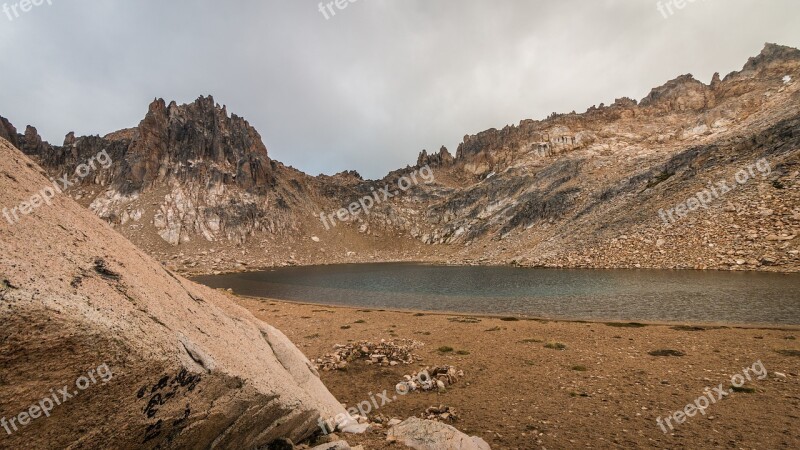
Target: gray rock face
<point>429,435</point>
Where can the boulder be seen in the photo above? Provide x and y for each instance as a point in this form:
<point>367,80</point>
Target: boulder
<point>146,358</point>
<point>429,435</point>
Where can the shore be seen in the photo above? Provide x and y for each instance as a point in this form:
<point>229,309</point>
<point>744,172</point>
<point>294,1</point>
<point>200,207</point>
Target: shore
<point>602,390</point>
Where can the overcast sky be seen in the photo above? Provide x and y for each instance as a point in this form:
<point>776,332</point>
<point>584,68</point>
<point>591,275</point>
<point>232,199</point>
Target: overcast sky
<point>368,88</point>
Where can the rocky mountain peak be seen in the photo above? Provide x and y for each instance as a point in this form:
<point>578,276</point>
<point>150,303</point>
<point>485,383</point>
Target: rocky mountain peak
<point>771,54</point>
<point>443,158</point>
<point>681,94</point>
<point>8,131</point>
<point>196,139</point>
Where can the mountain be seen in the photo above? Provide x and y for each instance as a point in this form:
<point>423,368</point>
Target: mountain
<point>622,185</point>
<point>144,356</point>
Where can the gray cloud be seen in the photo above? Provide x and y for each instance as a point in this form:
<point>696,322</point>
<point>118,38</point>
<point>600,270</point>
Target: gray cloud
<point>371,87</point>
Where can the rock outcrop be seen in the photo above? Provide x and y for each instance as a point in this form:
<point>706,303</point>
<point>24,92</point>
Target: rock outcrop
<point>146,358</point>
<point>443,158</point>
<point>430,435</point>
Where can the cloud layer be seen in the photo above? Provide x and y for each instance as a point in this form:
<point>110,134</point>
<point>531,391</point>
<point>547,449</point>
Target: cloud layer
<point>370,87</point>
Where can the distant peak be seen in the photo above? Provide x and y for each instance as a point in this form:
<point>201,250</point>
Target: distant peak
<point>772,53</point>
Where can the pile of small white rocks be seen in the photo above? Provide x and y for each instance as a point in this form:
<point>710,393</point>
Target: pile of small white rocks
<point>436,378</point>
<point>384,353</point>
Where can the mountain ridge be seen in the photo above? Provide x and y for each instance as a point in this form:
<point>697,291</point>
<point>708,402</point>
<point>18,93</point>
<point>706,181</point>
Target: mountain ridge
<point>216,186</point>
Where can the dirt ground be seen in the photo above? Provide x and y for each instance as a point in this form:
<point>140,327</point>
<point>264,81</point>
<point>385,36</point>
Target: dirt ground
<point>603,390</point>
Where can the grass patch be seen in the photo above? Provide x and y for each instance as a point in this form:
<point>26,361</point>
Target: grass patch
<point>462,353</point>
<point>445,349</point>
<point>688,328</point>
<point>626,324</point>
<point>580,368</point>
<point>360,321</point>
<point>555,346</point>
<point>464,319</point>
<point>746,390</point>
<point>531,341</point>
<point>666,352</point>
<point>795,353</point>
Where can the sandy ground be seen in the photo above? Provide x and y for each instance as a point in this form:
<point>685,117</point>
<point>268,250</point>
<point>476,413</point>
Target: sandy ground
<point>603,390</point>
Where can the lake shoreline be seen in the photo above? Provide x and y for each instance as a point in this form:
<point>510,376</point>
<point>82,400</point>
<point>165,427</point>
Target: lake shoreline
<point>189,273</point>
<point>594,295</point>
<point>526,317</point>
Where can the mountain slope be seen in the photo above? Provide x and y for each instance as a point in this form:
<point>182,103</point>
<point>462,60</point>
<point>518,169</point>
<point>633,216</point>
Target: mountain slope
<point>196,188</point>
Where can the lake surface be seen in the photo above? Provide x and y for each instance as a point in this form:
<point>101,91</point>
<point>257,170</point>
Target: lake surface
<point>644,295</point>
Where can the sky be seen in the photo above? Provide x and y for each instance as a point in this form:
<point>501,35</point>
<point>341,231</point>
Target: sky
<point>368,88</point>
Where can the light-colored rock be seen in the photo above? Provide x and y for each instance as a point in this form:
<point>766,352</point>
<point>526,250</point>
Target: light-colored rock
<point>337,445</point>
<point>429,435</point>
<point>188,367</point>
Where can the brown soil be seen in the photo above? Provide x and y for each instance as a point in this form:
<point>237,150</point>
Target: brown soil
<point>518,394</point>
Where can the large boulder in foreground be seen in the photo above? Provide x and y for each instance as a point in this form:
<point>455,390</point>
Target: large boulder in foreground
<point>429,435</point>
<point>101,347</point>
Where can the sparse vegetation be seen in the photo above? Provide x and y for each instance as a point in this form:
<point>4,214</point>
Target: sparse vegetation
<point>464,319</point>
<point>445,349</point>
<point>345,327</point>
<point>579,368</point>
<point>509,319</point>
<point>462,352</point>
<point>555,346</point>
<point>688,328</point>
<point>360,321</point>
<point>666,352</point>
<point>531,341</point>
<point>795,353</point>
<point>745,389</point>
<point>626,324</point>
<point>494,329</point>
